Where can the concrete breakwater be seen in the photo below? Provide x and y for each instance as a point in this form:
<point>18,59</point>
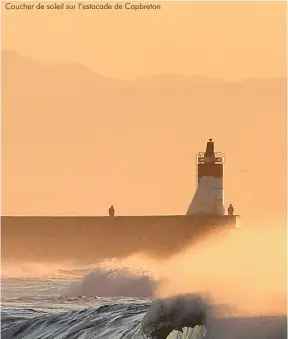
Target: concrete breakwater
<point>88,239</point>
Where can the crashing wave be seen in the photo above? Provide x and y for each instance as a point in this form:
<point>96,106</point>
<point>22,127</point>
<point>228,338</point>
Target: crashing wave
<point>198,332</point>
<point>179,314</point>
<point>180,317</point>
<point>114,283</point>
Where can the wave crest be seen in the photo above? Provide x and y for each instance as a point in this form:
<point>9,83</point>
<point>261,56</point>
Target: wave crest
<point>176,313</point>
<point>163,319</point>
<point>118,282</point>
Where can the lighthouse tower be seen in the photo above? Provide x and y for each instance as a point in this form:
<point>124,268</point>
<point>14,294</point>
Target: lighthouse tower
<point>209,196</point>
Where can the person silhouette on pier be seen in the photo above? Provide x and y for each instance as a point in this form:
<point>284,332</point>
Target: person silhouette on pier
<point>230,210</point>
<point>111,211</point>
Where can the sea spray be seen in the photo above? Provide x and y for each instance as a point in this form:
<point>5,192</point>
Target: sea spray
<point>114,283</point>
<point>245,269</point>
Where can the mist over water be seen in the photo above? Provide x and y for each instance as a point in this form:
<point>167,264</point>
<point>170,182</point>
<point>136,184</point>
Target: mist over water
<point>114,283</point>
<point>240,272</point>
<point>243,268</point>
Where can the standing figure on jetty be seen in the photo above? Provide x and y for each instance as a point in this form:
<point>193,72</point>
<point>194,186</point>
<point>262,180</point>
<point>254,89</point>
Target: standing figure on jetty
<point>230,210</point>
<point>111,211</point>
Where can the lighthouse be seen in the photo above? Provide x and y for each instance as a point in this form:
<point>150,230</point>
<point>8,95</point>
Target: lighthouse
<point>209,196</point>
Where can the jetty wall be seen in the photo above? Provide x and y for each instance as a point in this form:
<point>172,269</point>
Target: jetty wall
<point>88,239</point>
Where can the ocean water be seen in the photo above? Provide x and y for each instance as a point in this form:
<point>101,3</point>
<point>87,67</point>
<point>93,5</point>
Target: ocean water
<point>105,303</point>
<point>56,308</point>
<point>231,287</point>
<point>36,308</point>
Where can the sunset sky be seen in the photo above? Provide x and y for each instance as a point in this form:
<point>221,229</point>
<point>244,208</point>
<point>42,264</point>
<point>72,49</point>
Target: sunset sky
<point>80,154</point>
<point>230,40</point>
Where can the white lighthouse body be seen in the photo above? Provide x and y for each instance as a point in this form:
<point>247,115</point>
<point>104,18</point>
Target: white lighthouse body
<point>209,196</point>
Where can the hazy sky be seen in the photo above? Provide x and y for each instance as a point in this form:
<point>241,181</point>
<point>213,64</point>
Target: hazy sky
<point>73,144</point>
<point>229,40</point>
